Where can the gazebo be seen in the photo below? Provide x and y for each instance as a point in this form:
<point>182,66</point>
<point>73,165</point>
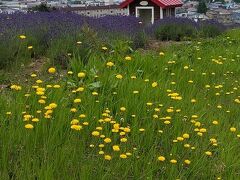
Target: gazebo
<point>151,10</point>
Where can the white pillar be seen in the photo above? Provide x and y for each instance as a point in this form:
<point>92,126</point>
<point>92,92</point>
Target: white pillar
<point>128,11</point>
<point>161,13</point>
<point>152,15</point>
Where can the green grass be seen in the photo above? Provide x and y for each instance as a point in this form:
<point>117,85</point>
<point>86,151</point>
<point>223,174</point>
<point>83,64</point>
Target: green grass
<point>52,150</point>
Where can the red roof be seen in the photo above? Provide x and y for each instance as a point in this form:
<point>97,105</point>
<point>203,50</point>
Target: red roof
<point>161,3</point>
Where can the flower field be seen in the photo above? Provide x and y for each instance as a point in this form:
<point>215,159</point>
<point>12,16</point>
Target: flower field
<point>170,114</point>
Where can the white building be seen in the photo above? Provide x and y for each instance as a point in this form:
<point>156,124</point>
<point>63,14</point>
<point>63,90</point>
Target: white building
<point>97,11</point>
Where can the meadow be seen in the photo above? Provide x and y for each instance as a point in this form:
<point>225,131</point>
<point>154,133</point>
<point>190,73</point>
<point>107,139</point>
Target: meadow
<point>114,112</point>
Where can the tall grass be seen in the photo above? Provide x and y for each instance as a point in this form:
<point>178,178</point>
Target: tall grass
<point>54,149</point>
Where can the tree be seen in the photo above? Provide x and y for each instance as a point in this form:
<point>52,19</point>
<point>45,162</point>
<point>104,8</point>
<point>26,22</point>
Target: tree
<point>43,8</point>
<point>202,7</point>
<point>236,1</point>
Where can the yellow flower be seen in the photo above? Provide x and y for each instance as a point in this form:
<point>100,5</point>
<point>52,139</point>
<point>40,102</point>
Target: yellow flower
<point>135,92</point>
<point>70,72</point>
<point>209,153</point>
<point>185,136</point>
<point>122,109</point>
<point>30,47</point>
<point>101,152</point>
<point>33,75</point>
<point>53,105</point>
<point>104,48</point>
<point>141,130</point>
<point>22,37</point>
<point>154,84</point>
<point>74,121</point>
<point>73,110</point>
<point>128,58</point>
<point>173,161</point>
<point>99,128</point>
<point>16,87</point>
<point>82,115</point>
<point>107,140</point>
<point>116,126</point>
<point>126,129</point>
<point>187,145</point>
<point>79,42</point>
<point>110,64</point>
<point>215,122</point>
<point>80,89</point>
<point>95,133</point>
<point>123,140</point>
<point>94,93</point>
<point>35,120</point>
<point>180,138</point>
<point>170,110</point>
<point>123,156</point>
<point>237,101</point>
<point>187,161</point>
<point>203,130</point>
<point>81,75</point>
<point>233,129</point>
<point>27,117</point>
<point>122,133</point>
<point>167,122</point>
<point>51,70</point>
<point>213,140</point>
<point>161,54</point>
<point>91,145</point>
<point>128,154</point>
<point>116,148</point>
<point>76,127</point>
<point>149,103</point>
<point>101,145</point>
<point>85,123</point>
<point>107,157</point>
<point>161,158</point>
<point>29,126</point>
<point>8,113</point>
<point>119,76</point>
<point>193,100</point>
<point>77,100</point>
<point>39,81</point>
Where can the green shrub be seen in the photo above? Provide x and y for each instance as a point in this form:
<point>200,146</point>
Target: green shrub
<point>140,40</point>
<point>209,31</point>
<point>14,52</point>
<point>175,32</point>
<point>80,45</point>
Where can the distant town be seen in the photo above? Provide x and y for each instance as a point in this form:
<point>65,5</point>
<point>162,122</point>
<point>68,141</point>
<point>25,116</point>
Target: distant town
<point>226,12</point>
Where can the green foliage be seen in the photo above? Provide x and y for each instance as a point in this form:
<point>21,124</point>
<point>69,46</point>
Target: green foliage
<point>14,52</point>
<point>175,32</point>
<point>236,1</point>
<point>202,7</point>
<point>140,40</point>
<point>54,150</point>
<point>209,31</point>
<point>43,8</point>
<point>80,46</point>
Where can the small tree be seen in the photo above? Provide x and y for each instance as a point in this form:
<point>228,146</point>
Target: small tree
<point>43,8</point>
<point>202,7</point>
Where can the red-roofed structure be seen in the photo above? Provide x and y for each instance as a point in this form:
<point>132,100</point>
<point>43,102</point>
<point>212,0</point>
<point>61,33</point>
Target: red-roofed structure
<point>151,10</point>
